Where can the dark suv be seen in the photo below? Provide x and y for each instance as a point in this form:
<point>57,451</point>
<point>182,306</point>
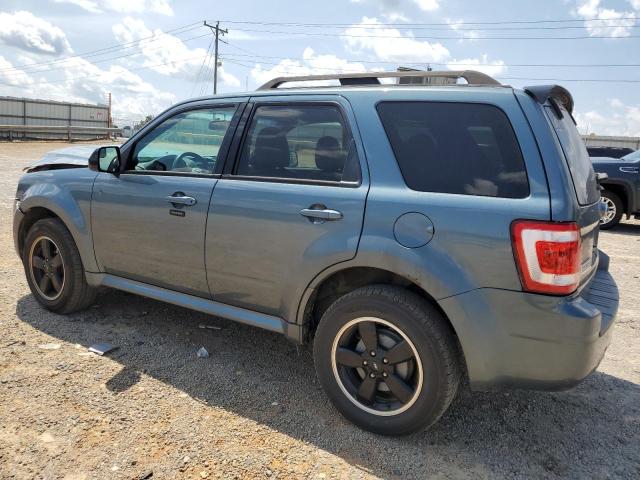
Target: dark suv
<point>611,152</point>
<point>621,187</point>
<point>416,234</point>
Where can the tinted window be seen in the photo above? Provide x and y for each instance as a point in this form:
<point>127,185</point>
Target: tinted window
<point>187,142</point>
<point>575,153</point>
<point>612,152</point>
<point>308,142</point>
<point>468,149</point>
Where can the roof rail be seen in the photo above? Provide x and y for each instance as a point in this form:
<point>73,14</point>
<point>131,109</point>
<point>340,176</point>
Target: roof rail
<point>373,78</point>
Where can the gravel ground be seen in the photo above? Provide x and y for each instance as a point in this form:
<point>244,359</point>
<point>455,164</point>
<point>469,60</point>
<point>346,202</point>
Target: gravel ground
<point>254,409</point>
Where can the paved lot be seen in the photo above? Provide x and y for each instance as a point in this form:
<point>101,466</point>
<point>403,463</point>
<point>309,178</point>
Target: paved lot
<point>254,409</point>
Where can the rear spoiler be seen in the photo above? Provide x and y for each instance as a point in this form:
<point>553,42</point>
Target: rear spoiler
<point>542,93</point>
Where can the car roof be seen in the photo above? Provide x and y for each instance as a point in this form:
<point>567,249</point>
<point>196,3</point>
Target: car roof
<point>381,91</point>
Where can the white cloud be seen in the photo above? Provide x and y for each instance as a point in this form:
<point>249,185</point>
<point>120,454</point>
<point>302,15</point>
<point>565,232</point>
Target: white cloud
<point>227,78</point>
<point>616,103</point>
<point>427,5</point>
<point>164,53</point>
<point>493,68</point>
<point>162,7</point>
<point>619,120</point>
<point>87,83</point>
<point>635,4</point>
<point>389,44</point>
<point>13,77</point>
<point>456,25</point>
<point>26,31</point>
<point>608,22</point>
<point>311,64</point>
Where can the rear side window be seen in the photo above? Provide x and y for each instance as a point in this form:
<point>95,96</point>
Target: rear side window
<point>304,142</point>
<point>462,148</point>
<point>575,153</point>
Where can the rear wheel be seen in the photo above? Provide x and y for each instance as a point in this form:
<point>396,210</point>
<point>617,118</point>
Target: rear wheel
<point>614,210</point>
<point>387,359</point>
<point>53,268</point>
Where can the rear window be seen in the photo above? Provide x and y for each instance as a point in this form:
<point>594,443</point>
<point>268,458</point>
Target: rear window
<point>575,153</point>
<point>462,148</point>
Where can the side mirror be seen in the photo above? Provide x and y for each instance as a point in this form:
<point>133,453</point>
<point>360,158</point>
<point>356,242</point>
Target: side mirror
<point>105,159</point>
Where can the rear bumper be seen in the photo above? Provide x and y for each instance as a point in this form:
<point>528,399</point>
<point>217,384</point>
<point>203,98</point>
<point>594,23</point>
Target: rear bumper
<point>521,340</point>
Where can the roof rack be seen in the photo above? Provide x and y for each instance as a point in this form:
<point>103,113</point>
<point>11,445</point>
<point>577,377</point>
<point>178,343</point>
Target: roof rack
<point>373,78</point>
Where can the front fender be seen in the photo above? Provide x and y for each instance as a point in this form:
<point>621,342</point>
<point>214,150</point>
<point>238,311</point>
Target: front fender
<point>67,194</point>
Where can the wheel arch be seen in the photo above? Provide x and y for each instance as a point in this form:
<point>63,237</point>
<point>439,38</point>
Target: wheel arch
<point>66,209</point>
<point>338,283</point>
<point>623,191</point>
<point>31,216</point>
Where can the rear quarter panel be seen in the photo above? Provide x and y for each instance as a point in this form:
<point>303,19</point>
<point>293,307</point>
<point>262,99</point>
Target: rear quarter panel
<point>471,246</point>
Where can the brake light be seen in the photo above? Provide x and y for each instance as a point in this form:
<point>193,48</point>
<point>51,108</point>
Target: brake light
<point>547,255</point>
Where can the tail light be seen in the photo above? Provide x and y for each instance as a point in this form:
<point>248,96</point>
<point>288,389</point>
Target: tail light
<point>547,255</point>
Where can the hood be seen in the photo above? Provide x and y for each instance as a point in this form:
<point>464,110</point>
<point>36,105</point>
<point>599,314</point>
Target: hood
<point>69,157</point>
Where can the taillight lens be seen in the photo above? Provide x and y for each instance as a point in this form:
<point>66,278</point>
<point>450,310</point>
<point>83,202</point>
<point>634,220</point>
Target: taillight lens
<point>547,255</point>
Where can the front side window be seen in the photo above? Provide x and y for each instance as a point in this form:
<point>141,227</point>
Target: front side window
<point>187,142</point>
<point>463,148</point>
<point>309,142</point>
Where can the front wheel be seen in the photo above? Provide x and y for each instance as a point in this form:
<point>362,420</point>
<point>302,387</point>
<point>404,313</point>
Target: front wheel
<point>387,359</point>
<point>54,269</point>
<point>614,211</point>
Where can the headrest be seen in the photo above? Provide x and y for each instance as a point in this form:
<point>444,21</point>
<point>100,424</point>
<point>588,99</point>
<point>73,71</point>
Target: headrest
<point>271,150</point>
<point>329,156</point>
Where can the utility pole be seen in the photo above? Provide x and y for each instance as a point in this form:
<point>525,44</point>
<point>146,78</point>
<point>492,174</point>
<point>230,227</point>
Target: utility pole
<point>109,110</point>
<point>218,31</point>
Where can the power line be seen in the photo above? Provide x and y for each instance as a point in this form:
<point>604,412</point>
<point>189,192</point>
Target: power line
<point>204,60</point>
<point>132,54</point>
<point>459,26</point>
<point>102,51</point>
<point>504,22</point>
<point>347,35</point>
<point>421,61</point>
<point>93,76</point>
<point>293,72</point>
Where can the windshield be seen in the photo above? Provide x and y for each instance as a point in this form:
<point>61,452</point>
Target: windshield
<point>632,157</point>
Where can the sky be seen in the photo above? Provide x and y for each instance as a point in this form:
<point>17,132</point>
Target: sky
<point>151,54</point>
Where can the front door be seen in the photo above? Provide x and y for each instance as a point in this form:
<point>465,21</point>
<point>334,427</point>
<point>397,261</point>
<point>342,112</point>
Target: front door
<point>149,221</point>
<point>292,206</point>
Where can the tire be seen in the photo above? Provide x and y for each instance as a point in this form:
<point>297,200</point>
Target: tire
<point>432,374</point>
<point>614,210</point>
<point>66,289</point>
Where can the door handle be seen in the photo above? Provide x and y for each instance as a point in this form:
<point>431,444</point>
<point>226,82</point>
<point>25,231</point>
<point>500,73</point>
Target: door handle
<point>320,215</point>
<point>181,199</point>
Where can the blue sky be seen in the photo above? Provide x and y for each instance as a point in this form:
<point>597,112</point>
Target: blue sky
<point>81,49</point>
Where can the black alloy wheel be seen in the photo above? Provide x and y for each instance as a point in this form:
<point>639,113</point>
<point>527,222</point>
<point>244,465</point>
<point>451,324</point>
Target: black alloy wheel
<point>46,266</point>
<point>377,366</point>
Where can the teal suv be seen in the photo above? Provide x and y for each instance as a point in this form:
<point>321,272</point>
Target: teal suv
<point>417,228</point>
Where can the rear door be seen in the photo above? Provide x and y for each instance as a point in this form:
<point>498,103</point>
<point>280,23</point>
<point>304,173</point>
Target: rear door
<point>587,191</point>
<point>290,206</point>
